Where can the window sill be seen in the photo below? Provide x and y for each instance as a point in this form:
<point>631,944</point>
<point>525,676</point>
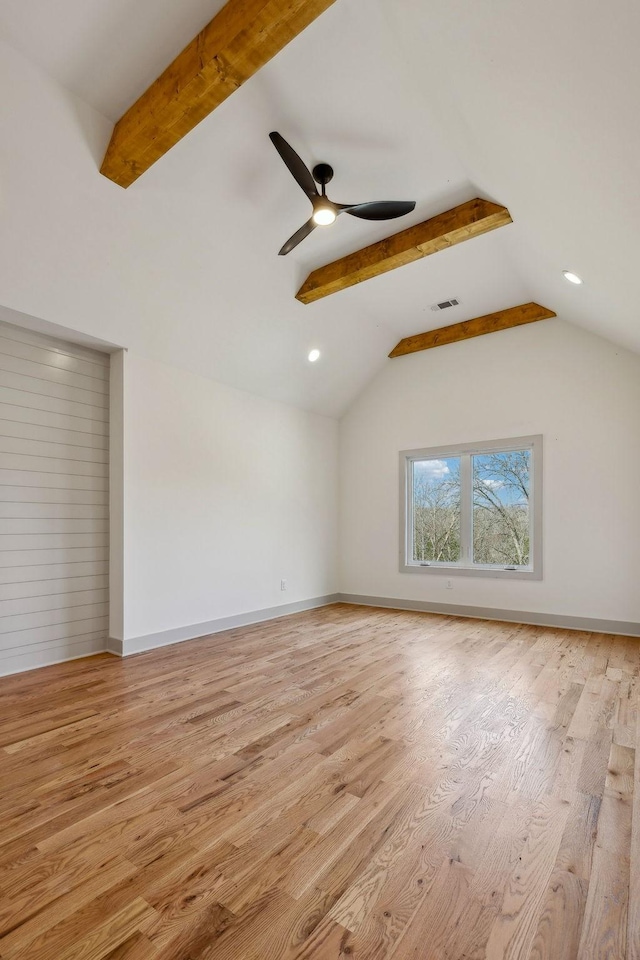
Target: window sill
<point>457,570</point>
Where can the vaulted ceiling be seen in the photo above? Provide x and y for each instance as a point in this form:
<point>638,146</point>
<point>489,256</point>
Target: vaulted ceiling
<point>531,105</point>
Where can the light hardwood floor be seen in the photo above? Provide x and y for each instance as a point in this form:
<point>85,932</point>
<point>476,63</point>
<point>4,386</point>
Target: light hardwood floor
<point>344,783</point>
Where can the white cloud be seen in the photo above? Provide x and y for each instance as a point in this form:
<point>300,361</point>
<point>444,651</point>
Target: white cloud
<point>433,469</point>
<point>492,484</point>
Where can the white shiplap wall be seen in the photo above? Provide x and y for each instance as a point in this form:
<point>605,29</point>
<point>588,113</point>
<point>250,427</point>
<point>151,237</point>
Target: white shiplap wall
<point>54,500</point>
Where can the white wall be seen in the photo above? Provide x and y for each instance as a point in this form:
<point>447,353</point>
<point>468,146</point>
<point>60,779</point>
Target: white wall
<point>225,493</point>
<point>579,391</point>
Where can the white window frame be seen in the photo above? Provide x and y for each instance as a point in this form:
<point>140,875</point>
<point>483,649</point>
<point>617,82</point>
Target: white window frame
<point>465,567</point>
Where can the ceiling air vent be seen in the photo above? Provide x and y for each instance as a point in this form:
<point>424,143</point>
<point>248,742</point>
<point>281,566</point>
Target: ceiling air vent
<point>444,304</point>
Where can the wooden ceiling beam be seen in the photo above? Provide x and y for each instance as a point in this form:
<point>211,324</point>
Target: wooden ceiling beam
<point>490,323</point>
<point>239,40</point>
<point>464,222</point>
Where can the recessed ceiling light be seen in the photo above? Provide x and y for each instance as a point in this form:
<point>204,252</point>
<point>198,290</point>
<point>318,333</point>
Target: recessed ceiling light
<point>571,277</point>
<point>314,355</point>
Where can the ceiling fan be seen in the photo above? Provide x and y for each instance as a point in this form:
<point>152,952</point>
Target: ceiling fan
<point>324,210</point>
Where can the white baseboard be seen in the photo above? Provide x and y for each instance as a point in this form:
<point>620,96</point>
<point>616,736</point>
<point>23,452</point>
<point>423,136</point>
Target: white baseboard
<point>620,627</point>
<point>125,648</point>
<point>150,641</point>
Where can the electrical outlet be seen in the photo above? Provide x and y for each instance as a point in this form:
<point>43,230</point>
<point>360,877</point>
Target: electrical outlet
<point>283,584</point>
<point>449,585</point>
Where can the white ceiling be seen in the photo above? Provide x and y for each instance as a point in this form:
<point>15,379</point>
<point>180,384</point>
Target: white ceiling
<point>533,105</point>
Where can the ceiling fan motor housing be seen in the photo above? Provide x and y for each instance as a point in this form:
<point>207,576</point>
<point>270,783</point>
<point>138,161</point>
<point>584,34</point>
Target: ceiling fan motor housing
<point>322,173</point>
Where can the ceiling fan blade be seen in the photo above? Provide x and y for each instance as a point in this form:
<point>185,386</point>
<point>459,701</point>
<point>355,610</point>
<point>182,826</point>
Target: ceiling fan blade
<point>383,210</point>
<point>301,175</point>
<point>298,236</point>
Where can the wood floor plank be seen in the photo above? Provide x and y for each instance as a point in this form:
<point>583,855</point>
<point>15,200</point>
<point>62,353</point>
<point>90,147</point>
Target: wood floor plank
<point>491,877</point>
<point>633,924</point>
<point>604,929</point>
<point>137,947</point>
<point>560,924</point>
<point>515,927</point>
<point>412,827</point>
<point>443,908</point>
<point>347,782</point>
<point>47,912</point>
<point>73,916</point>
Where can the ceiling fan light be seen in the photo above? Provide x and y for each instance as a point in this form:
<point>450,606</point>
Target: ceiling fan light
<point>323,216</point>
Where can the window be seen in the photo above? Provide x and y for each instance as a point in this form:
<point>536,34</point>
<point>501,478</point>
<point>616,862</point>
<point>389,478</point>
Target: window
<point>474,510</point>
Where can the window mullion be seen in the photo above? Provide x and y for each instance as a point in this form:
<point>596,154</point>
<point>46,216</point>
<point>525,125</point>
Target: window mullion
<point>466,519</point>
<point>410,508</point>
